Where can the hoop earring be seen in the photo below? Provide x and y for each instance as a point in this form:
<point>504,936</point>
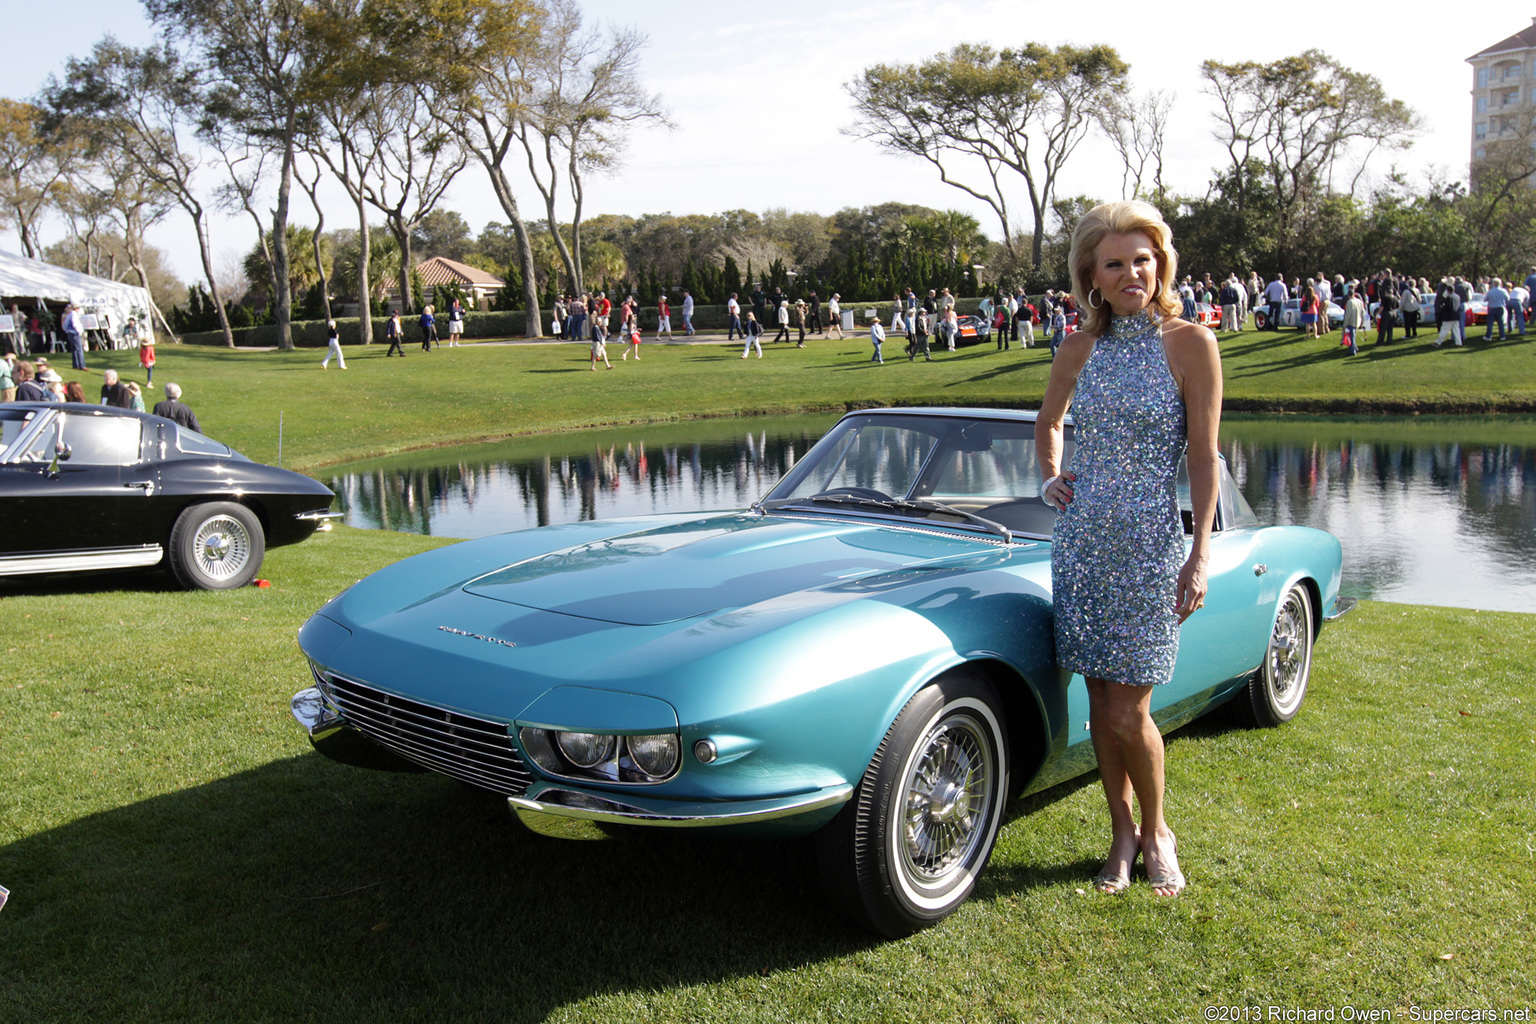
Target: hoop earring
<point>1157,288</point>
<point>1091,303</point>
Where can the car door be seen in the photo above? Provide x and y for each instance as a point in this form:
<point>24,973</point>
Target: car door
<point>54,503</point>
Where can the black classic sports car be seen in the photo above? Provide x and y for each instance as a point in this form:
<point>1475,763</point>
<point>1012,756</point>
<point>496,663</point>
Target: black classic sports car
<point>86,487</point>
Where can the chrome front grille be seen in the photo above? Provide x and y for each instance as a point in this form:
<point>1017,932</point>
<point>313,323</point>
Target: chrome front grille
<point>467,748</point>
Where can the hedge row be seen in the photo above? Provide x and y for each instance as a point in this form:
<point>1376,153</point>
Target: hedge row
<point>312,334</point>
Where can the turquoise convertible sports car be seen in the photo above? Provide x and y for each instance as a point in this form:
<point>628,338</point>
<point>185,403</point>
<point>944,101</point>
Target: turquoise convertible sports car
<point>866,653</point>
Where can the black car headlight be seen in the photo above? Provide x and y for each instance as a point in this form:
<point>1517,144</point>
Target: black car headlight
<point>603,757</point>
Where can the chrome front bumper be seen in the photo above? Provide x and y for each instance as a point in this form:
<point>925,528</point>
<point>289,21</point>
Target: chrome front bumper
<point>554,810</point>
<point>330,735</point>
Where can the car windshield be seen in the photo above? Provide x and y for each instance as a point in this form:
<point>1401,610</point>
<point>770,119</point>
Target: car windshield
<point>12,423</point>
<point>968,472</point>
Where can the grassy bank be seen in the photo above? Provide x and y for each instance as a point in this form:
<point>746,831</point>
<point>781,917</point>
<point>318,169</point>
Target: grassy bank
<point>380,406</point>
<point>176,853</point>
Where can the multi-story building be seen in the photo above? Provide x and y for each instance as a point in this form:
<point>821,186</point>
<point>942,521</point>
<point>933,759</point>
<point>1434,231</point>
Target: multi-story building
<point>1504,91</point>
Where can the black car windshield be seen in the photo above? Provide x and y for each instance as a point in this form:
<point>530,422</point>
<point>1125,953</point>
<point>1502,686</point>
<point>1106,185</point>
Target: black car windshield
<point>968,472</point>
<point>12,423</point>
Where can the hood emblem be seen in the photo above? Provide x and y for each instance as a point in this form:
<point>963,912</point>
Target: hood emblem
<point>477,636</point>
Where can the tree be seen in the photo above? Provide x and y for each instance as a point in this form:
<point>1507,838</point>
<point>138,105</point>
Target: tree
<point>1500,204</point>
<point>130,108</point>
<point>32,169</point>
<point>412,170</point>
<point>1012,112</point>
<point>342,136</point>
<point>250,51</point>
<point>584,95</point>
<point>441,233</point>
<point>311,187</point>
<point>1296,121</point>
<point>469,56</point>
<point>1136,130</point>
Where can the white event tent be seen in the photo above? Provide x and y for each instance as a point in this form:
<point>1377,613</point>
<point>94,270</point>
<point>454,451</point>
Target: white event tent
<point>106,304</point>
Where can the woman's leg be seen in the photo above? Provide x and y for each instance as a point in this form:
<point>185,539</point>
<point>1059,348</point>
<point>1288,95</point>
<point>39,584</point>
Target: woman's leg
<point>1130,754</point>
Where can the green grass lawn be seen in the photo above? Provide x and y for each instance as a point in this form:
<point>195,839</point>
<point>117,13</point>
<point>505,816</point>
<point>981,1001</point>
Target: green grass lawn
<point>177,853</point>
<point>380,406</point>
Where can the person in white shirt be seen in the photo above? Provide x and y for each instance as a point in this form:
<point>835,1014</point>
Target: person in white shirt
<point>834,318</point>
<point>733,326</point>
<point>1275,295</point>
<point>877,336</point>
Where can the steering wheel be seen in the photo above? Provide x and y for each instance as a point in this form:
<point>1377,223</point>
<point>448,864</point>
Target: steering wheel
<point>854,492</point>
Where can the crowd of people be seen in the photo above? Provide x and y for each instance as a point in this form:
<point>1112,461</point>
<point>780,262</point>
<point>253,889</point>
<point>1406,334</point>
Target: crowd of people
<point>35,380</point>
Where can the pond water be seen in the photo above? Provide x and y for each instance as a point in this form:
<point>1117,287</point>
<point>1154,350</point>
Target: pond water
<point>1430,510</point>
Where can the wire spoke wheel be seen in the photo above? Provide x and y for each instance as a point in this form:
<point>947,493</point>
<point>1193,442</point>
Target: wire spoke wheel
<point>906,850</point>
<point>1280,685</point>
<point>948,792</point>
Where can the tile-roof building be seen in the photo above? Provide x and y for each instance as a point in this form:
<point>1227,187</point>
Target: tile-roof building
<point>481,286</point>
<point>1503,90</point>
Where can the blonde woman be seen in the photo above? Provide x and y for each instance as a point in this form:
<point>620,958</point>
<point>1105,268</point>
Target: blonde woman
<point>1144,387</point>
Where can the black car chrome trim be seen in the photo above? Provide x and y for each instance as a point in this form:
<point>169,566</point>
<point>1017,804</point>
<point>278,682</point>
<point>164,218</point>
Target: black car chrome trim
<point>319,515</point>
<point>80,561</point>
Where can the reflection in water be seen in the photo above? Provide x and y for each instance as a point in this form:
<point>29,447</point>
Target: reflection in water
<point>1424,515</point>
<point>1427,522</point>
<point>475,495</point>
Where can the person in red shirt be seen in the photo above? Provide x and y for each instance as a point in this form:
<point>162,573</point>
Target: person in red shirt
<point>603,310</point>
<point>663,318</point>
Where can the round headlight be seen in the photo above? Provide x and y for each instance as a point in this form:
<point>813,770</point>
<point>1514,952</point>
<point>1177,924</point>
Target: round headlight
<point>586,749</point>
<point>655,755</point>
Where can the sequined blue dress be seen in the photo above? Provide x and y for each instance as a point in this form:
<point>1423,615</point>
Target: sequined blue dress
<point>1118,547</point>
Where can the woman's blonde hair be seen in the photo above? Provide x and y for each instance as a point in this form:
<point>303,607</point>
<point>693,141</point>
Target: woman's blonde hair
<point>1121,218</point>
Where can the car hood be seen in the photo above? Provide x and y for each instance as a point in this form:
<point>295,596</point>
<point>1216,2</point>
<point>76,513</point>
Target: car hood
<point>683,570</point>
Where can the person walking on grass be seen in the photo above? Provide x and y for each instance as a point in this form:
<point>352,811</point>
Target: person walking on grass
<point>599,350</point>
<point>1354,322</point>
<point>332,347</point>
<point>877,337</point>
<point>783,334</point>
<point>834,318</point>
<point>753,332</point>
<point>394,333</point>
<point>631,334</point>
<point>428,329</point>
<point>919,343</point>
<point>1447,314</point>
<point>663,318</point>
<point>455,325</point>
<point>733,319</point>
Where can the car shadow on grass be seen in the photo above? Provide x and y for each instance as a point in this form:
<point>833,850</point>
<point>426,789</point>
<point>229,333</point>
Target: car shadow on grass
<point>305,890</point>
<point>132,581</point>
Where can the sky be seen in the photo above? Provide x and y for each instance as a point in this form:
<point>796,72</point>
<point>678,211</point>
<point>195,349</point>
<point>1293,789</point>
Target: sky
<point>757,96</point>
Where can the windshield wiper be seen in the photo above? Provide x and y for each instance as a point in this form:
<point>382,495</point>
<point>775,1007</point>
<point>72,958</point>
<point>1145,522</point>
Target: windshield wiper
<point>929,505</point>
<point>901,504</point>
